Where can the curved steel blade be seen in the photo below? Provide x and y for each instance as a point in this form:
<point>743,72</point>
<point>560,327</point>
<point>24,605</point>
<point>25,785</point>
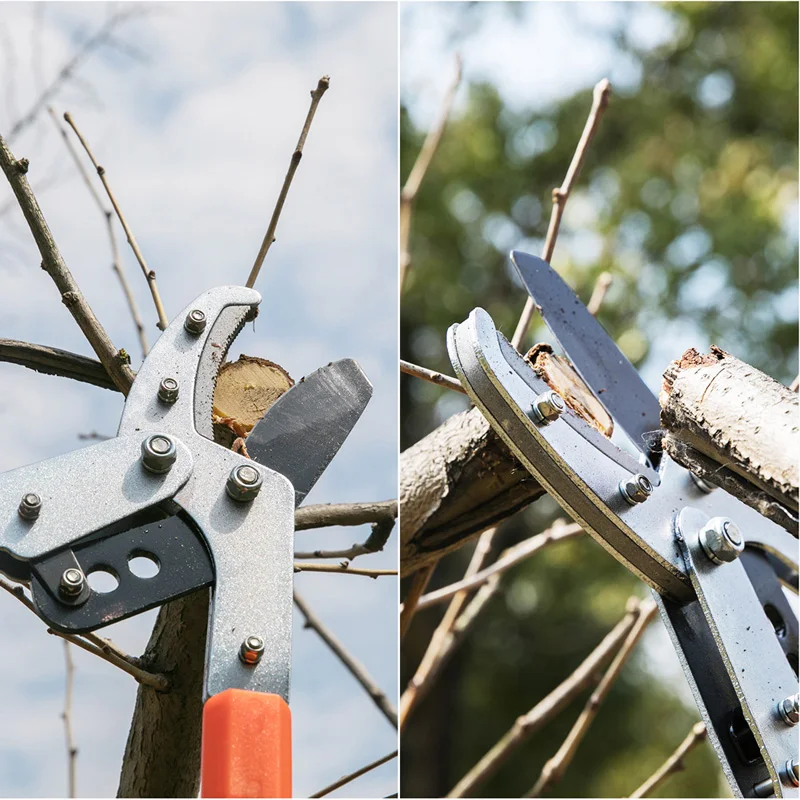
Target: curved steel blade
<point>601,364</point>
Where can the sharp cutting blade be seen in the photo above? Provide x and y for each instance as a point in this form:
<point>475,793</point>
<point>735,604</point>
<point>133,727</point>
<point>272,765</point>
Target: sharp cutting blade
<point>303,431</point>
<point>599,361</point>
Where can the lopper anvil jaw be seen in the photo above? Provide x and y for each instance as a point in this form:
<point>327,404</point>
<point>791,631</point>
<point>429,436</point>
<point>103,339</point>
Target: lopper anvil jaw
<point>652,516</point>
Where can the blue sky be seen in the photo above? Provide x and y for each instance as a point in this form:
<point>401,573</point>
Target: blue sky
<point>196,136</point>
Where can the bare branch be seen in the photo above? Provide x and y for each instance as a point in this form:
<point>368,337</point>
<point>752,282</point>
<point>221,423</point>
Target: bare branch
<point>115,362</point>
<point>269,236</point>
<point>149,274</point>
<point>560,196</point>
<point>116,263</point>
<point>795,385</point>
<point>555,702</point>
<point>555,767</point>
<point>52,361</point>
<point>353,775</point>
<point>430,375</point>
<point>330,514</point>
<point>343,569</point>
<point>374,543</point>
<point>409,192</point>
<point>66,715</point>
<point>356,669</point>
<point>601,287</point>
<point>409,608</point>
<point>674,763</point>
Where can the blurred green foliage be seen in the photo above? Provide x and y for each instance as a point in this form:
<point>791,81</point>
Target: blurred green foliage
<point>688,197</point>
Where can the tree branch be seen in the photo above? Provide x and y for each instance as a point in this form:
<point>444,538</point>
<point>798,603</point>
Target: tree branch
<point>353,775</point>
<point>330,514</point>
<point>269,236</point>
<point>343,569</point>
<point>374,543</point>
<point>409,608</point>
<point>430,375</point>
<point>66,715</point>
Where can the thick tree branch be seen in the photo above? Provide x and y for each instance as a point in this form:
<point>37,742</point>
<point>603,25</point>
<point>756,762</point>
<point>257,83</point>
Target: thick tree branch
<point>330,514</point>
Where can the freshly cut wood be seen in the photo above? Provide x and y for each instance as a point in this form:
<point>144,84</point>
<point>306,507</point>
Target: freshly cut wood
<point>462,479</point>
<point>735,427</point>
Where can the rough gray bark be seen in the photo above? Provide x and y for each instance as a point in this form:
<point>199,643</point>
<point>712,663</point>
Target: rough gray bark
<point>735,427</point>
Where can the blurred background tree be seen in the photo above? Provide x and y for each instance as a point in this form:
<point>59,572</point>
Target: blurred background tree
<point>688,197</point>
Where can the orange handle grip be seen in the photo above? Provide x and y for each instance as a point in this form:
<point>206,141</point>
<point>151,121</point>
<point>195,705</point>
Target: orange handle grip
<point>247,745</point>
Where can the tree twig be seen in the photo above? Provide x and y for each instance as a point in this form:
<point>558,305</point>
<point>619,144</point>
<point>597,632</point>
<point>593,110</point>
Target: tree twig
<point>52,361</point>
<point>116,263</point>
<point>601,287</point>
<point>269,237</point>
<point>343,569</point>
<point>409,191</point>
<point>409,608</point>
<point>356,669</point>
<point>527,724</point>
<point>560,195</point>
<point>555,767</point>
<point>674,763</point>
<point>66,715</point>
<point>353,775</point>
<point>795,385</point>
<point>329,514</point>
<point>430,375</point>
<point>374,543</point>
<point>149,274</point>
<point>116,362</point>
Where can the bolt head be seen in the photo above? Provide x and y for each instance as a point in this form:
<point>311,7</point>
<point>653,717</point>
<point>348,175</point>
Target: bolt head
<point>721,540</point>
<point>251,650</point>
<point>168,390</point>
<point>195,322</point>
<point>789,710</point>
<point>30,506</point>
<point>72,582</point>
<point>792,769</point>
<point>635,489</point>
<point>702,484</point>
<point>547,407</point>
<point>244,483</point>
<point>158,453</point>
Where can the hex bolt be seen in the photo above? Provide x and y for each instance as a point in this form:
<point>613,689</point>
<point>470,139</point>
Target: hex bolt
<point>72,582</point>
<point>702,484</point>
<point>789,711</point>
<point>635,489</point>
<point>158,453</point>
<point>195,322</point>
<point>792,770</point>
<point>251,650</point>
<point>547,407</point>
<point>721,540</point>
<point>168,390</point>
<point>30,506</point>
<point>244,483</point>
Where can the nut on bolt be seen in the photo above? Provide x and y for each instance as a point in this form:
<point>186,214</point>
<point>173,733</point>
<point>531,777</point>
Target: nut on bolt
<point>158,453</point>
<point>251,650</point>
<point>547,407</point>
<point>168,390</point>
<point>721,540</point>
<point>635,489</point>
<point>30,506</point>
<point>72,582</point>
<point>244,483</point>
<point>792,770</point>
<point>195,322</point>
<point>789,711</point>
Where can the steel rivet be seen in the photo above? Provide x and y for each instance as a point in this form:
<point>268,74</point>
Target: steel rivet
<point>195,322</point>
<point>72,582</point>
<point>30,506</point>
<point>721,540</point>
<point>789,711</point>
<point>244,483</point>
<point>251,650</point>
<point>635,489</point>
<point>547,407</point>
<point>168,390</point>
<point>158,453</point>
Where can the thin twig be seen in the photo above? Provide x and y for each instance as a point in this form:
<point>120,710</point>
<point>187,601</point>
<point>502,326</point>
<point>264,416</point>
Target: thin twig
<point>374,543</point>
<point>560,196</point>
<point>356,669</point>
<point>795,384</point>
<point>52,361</point>
<point>66,715</point>
<point>353,775</point>
<point>343,569</point>
<point>269,236</point>
<point>515,554</point>
<point>116,263</point>
<point>555,767</point>
<point>329,514</point>
<point>555,702</point>
<point>116,362</point>
<point>409,192</point>
<point>149,274</point>
<point>674,763</point>
<point>409,608</point>
<point>430,375</point>
<point>601,287</point>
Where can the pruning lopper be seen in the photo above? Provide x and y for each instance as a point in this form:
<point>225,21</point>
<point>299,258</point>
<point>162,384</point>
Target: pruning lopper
<point>205,515</point>
<point>717,567</point>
